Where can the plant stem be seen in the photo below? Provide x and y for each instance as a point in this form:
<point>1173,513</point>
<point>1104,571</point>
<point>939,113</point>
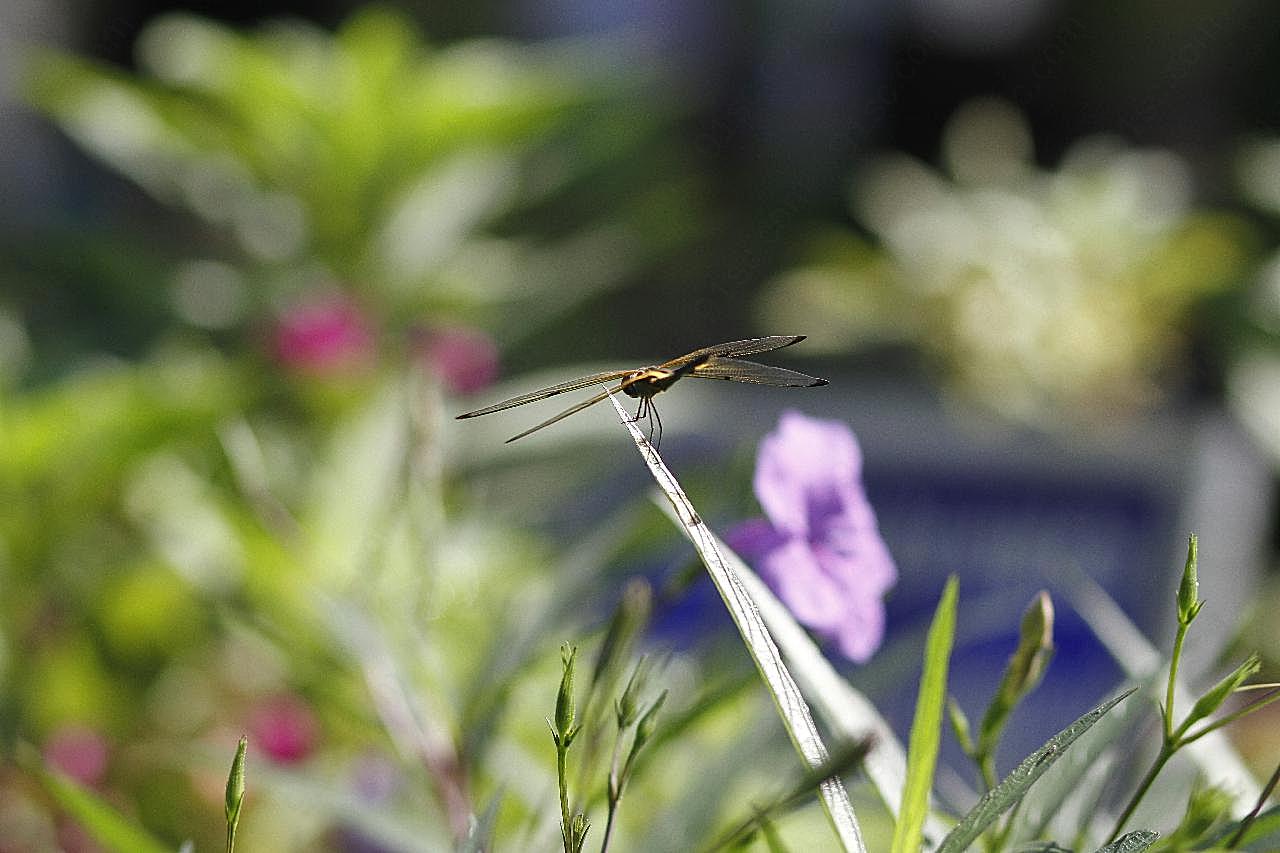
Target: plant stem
<point>1173,680</point>
<point>562,756</point>
<point>987,767</point>
<point>1166,752</point>
<point>615,794</point>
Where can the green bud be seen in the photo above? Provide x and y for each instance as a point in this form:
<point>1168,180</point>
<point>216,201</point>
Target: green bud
<point>235,791</point>
<point>566,711</point>
<point>578,830</point>
<point>648,722</point>
<point>1189,603</point>
<point>627,705</point>
<point>1024,670</point>
<point>1035,649</point>
<point>1213,699</point>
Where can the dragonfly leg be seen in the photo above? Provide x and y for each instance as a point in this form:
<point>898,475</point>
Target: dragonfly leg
<point>653,410</point>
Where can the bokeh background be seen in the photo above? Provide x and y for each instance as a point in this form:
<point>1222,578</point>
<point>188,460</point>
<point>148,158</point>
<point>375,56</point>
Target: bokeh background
<point>253,260</point>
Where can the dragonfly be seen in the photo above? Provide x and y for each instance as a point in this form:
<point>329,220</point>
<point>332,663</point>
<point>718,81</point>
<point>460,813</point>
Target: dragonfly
<point>721,361</point>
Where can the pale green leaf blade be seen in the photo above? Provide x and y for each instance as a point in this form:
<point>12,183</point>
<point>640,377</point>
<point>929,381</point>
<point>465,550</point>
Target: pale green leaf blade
<point>792,707</point>
<point>1003,796</point>
<point>1131,842</point>
<point>926,727</point>
<point>100,820</point>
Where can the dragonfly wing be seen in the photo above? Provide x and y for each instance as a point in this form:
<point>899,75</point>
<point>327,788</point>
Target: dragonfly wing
<point>590,401</point>
<point>551,391</point>
<point>734,349</point>
<point>737,370</point>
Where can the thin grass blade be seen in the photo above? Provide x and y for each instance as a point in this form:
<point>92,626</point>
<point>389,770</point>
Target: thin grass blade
<point>845,710</point>
<point>1002,797</point>
<point>792,708</point>
<point>926,727</point>
<point>99,819</point>
<point>1131,842</point>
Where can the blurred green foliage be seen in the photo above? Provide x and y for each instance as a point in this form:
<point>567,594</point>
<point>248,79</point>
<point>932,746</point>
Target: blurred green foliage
<point>471,182</point>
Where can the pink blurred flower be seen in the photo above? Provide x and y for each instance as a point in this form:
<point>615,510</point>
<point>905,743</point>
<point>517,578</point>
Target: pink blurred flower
<point>325,335</point>
<point>465,359</point>
<point>284,728</point>
<point>79,752</point>
<point>819,548</point>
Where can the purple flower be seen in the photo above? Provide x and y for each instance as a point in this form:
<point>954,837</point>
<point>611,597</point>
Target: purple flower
<point>819,548</point>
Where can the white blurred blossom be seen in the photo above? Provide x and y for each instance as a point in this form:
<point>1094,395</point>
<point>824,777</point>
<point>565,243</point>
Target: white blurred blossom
<point>1036,291</point>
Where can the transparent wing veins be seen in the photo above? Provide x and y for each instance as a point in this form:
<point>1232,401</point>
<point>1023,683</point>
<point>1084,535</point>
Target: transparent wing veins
<point>550,391</point>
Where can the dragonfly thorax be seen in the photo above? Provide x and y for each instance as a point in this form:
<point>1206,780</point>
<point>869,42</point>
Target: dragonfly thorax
<point>649,381</point>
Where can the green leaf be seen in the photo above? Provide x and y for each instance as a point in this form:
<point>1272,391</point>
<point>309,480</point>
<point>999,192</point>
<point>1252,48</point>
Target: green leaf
<point>788,700</point>
<point>1131,842</point>
<point>1068,785</point>
<point>106,825</point>
<point>926,728</point>
<point>1216,695</point>
<point>1000,798</point>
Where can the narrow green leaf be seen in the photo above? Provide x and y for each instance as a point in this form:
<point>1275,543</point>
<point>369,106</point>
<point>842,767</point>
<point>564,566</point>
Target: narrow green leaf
<point>103,823</point>
<point>926,727</point>
<point>849,714</point>
<point>1131,842</point>
<point>1216,695</point>
<point>1003,796</point>
<point>794,711</point>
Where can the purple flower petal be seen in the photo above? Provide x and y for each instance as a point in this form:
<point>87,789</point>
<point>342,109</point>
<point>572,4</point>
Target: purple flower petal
<point>820,549</point>
<point>814,597</point>
<point>806,468</point>
<point>754,538</point>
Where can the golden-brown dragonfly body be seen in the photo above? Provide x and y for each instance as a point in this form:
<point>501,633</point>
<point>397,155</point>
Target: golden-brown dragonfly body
<point>721,361</point>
